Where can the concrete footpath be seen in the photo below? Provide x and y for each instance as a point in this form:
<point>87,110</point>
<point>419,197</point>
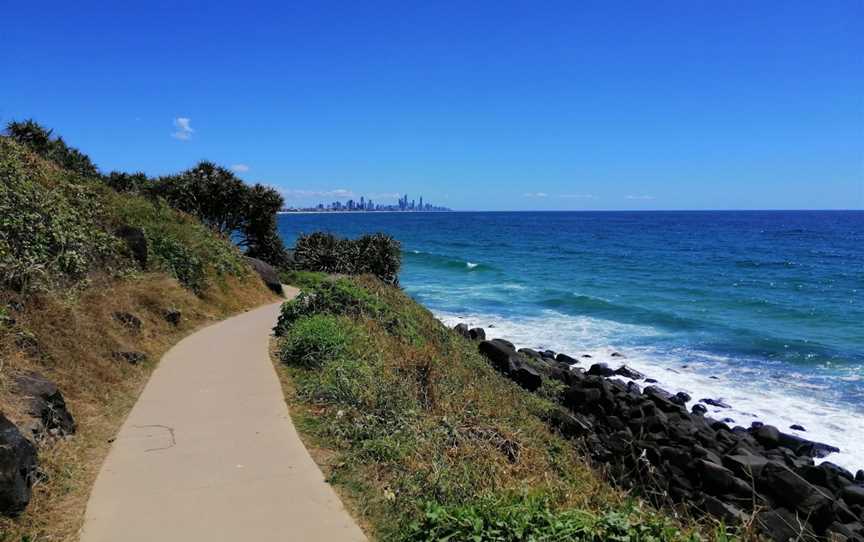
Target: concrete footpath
<point>209,452</point>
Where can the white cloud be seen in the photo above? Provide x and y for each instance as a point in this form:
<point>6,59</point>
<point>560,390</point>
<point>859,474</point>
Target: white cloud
<point>184,130</point>
<point>535,194</point>
<point>240,168</point>
<point>639,196</point>
<point>578,196</point>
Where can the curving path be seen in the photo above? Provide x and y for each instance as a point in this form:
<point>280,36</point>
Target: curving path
<point>209,452</point>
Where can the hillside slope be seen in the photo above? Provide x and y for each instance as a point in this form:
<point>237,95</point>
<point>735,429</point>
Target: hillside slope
<point>94,286</point>
<point>426,441</point>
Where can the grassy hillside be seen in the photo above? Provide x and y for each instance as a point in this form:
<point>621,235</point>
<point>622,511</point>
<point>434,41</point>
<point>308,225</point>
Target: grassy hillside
<point>80,306</point>
<point>424,440</point>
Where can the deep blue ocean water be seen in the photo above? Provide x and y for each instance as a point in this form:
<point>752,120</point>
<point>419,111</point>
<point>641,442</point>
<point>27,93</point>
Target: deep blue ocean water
<point>764,310</point>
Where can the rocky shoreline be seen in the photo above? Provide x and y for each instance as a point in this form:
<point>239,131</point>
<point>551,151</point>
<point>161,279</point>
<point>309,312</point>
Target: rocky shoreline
<point>645,438</point>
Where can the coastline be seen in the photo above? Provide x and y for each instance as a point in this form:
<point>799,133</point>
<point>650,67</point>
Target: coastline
<point>760,402</point>
<point>645,437</point>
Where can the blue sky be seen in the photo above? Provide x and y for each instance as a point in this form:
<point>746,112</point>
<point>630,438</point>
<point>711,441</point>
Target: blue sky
<point>475,105</point>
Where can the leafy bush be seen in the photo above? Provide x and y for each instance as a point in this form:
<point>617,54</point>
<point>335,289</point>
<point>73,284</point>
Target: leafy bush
<point>315,340</point>
<point>228,206</point>
<point>50,232</point>
<point>338,296</point>
<point>377,254</point>
<point>39,140</point>
<point>126,182</point>
<point>302,279</point>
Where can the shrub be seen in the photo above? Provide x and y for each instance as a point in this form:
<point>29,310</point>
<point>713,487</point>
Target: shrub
<point>378,254</point>
<point>228,206</point>
<point>315,340</point>
<point>259,231</point>
<point>338,296</point>
<point>49,232</point>
<point>39,140</point>
<point>127,182</point>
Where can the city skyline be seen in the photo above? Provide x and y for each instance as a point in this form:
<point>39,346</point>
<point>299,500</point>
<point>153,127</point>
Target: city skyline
<point>369,205</point>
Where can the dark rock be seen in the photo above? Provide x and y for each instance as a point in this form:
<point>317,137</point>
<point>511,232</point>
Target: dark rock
<point>661,398</point>
<point>501,354</point>
<point>462,329</point>
<point>729,513</point>
<point>780,525</point>
<point>526,376</point>
<point>45,403</point>
<point>767,435</point>
<point>627,372</point>
<point>530,352</point>
<point>681,398</point>
<point>129,320</point>
<point>804,447</point>
<point>267,273</point>
<point>794,491</point>
<point>715,403</point>
<point>577,398</point>
<point>132,358</point>
<point>548,354</point>
<point>650,380</point>
<point>600,369</point>
<point>828,475</point>
<point>477,334</point>
<point>797,427</point>
<point>564,358</point>
<point>859,476</point>
<point>136,242</point>
<point>568,424</point>
<point>746,466</point>
<point>17,468</point>
<point>587,356</point>
<point>716,478</point>
<point>853,494</point>
<point>173,316</point>
<point>616,355</point>
<point>505,342</point>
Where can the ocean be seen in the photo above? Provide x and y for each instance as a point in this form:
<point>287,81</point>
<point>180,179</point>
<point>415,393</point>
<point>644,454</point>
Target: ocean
<point>763,310</point>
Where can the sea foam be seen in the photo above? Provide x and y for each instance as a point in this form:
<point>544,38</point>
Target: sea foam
<point>754,393</point>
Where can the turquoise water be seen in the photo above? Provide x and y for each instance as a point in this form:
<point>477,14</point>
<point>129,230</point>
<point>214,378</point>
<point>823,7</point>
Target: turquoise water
<point>762,309</point>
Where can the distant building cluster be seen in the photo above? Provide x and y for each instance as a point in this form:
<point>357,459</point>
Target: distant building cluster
<point>365,205</point>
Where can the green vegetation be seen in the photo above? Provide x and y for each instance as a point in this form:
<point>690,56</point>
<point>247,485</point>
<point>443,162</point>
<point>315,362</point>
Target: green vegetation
<point>213,194</point>
<point>377,254</point>
<point>76,249</point>
<point>41,141</point>
<point>430,443</point>
<point>531,518</point>
<point>57,229</point>
<point>229,206</point>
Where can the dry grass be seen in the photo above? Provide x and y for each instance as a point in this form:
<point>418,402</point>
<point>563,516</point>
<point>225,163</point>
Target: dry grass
<point>410,413</point>
<point>75,335</point>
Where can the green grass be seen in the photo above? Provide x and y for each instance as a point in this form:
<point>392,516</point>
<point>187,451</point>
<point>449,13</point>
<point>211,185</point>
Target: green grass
<point>431,443</point>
